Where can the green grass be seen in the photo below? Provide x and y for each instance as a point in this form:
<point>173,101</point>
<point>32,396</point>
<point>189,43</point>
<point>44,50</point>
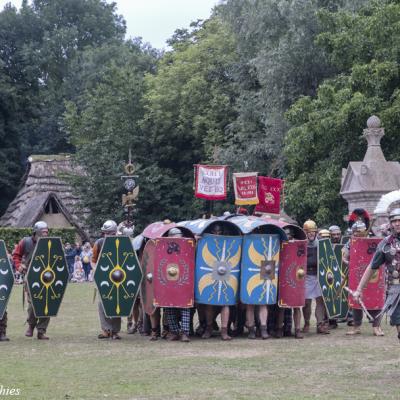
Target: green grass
<point>74,364</point>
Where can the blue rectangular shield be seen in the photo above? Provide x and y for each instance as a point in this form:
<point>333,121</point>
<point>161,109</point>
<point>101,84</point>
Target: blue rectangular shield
<point>217,270</point>
<point>259,269</point>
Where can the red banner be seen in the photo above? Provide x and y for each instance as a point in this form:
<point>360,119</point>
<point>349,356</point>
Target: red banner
<point>269,195</point>
<point>245,187</point>
<point>210,181</point>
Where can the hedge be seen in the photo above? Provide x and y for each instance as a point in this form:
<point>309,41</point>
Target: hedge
<point>13,235</point>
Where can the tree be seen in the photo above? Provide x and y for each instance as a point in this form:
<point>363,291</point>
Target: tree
<point>38,45</point>
<point>103,123</point>
<point>279,62</point>
<point>188,106</point>
<point>325,133</point>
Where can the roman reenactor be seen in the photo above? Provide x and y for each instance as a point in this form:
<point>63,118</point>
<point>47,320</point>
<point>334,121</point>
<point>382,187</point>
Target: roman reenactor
<point>6,284</point>
<point>388,254</point>
<point>359,229</point>
<point>22,256</point>
<point>324,234</point>
<point>210,310</point>
<point>313,289</point>
<point>175,315</point>
<point>110,326</point>
<point>3,328</point>
<point>283,325</point>
<point>336,234</point>
<point>127,229</point>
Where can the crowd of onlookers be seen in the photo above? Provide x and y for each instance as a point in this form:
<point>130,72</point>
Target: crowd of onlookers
<point>78,259</point>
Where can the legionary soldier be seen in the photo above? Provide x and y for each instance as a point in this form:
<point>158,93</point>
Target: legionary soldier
<point>388,253</point>
<point>359,229</point>
<point>126,229</point>
<point>336,234</point>
<point>3,328</point>
<point>284,315</point>
<point>313,290</point>
<point>110,326</point>
<point>22,256</point>
<point>174,315</point>
<point>324,234</point>
<point>210,310</point>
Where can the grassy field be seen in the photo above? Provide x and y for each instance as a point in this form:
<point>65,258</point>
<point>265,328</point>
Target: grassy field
<point>74,364</point>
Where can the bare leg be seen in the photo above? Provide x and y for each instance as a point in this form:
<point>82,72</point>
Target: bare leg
<point>209,313</point>
<point>297,323</point>
<point>155,324</point>
<point>307,315</point>
<point>224,323</point>
<point>319,315</point>
<point>249,315</point>
<point>263,313</point>
<point>250,321</point>
<point>279,323</point>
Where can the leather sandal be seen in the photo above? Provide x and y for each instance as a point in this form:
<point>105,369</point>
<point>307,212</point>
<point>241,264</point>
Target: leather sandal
<point>354,331</point>
<point>298,334</point>
<point>378,331</point>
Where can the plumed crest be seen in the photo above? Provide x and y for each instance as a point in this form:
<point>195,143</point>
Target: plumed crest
<point>359,214</point>
<point>386,201</point>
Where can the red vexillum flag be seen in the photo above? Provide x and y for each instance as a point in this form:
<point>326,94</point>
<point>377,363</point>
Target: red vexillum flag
<point>269,195</point>
<point>210,181</point>
<point>245,188</point>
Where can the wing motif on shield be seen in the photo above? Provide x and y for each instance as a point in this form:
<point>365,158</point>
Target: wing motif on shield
<point>220,268</point>
<point>268,258</point>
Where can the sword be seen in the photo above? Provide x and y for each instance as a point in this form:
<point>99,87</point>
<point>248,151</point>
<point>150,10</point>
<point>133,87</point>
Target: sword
<point>369,316</point>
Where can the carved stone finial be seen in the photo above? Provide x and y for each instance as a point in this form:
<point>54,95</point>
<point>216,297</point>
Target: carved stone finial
<point>373,122</point>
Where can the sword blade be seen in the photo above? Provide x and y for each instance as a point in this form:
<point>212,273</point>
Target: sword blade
<point>369,316</point>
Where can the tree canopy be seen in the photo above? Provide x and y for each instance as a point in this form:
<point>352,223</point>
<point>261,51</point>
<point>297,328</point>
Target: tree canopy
<point>282,87</point>
<point>326,130</point>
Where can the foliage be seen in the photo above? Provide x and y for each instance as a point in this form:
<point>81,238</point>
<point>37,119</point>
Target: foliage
<point>171,119</point>
<point>188,106</point>
<point>279,61</point>
<point>38,44</point>
<point>12,236</point>
<point>103,124</point>
<point>325,133</point>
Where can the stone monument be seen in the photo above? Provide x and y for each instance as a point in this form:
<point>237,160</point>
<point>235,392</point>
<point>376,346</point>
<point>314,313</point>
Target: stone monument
<point>365,182</point>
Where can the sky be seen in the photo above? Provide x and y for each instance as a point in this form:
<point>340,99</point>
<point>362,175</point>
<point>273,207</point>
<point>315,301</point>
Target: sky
<point>155,20</point>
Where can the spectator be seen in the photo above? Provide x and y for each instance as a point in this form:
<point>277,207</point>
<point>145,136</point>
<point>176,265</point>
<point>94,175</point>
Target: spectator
<point>86,256</point>
<point>70,254</point>
<point>79,274</point>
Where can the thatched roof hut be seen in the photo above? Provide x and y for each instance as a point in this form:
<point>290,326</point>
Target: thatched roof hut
<point>46,195</point>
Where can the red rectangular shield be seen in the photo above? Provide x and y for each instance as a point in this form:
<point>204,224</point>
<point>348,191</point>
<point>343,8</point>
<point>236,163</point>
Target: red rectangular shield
<point>361,252</point>
<point>147,287</point>
<point>174,272</point>
<point>292,273</point>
